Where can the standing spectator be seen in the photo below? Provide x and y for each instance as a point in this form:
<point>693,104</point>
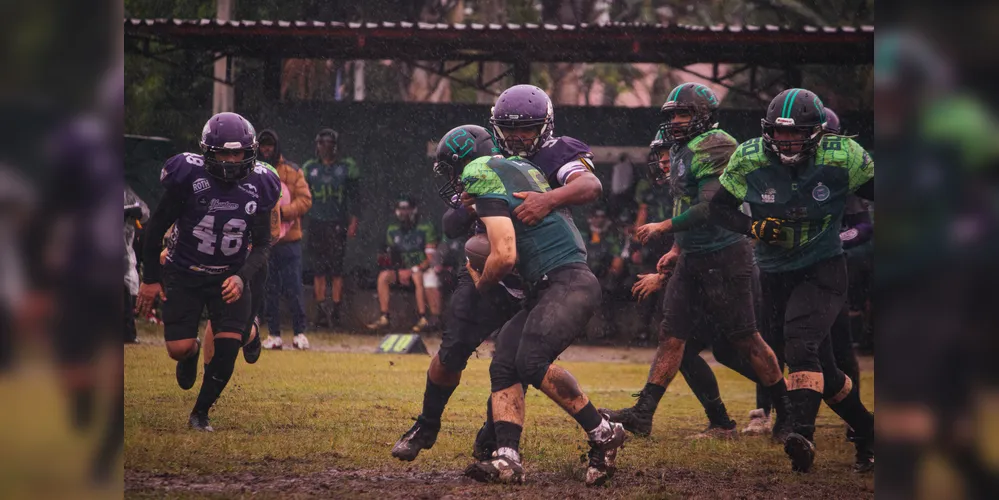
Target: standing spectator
<point>136,213</point>
<point>334,186</point>
<point>285,264</point>
<point>622,186</point>
<point>604,246</point>
<point>411,245</point>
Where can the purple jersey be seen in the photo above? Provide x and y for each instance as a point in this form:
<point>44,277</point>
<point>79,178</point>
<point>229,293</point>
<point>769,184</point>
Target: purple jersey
<point>210,236</point>
<point>560,157</point>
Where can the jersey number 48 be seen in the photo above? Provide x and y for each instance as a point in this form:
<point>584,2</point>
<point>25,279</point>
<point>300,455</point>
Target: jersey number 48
<point>232,236</point>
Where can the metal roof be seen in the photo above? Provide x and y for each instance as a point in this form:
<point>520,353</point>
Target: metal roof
<point>676,44</point>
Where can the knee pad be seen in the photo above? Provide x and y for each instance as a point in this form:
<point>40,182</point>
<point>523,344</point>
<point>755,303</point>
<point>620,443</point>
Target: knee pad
<point>802,355</point>
<point>502,374</point>
<point>532,370</point>
<point>430,279</point>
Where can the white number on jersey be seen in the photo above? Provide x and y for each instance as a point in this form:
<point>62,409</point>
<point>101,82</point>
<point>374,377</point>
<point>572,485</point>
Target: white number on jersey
<point>194,159</point>
<point>232,235</point>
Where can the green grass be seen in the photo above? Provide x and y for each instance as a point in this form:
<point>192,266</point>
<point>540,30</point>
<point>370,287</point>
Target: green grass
<point>323,416</point>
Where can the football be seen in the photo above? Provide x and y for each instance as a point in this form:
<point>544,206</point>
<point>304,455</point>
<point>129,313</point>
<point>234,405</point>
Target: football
<point>476,251</point>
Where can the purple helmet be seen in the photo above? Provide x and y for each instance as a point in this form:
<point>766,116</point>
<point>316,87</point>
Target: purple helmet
<point>228,132</point>
<point>522,107</point>
<point>832,122</point>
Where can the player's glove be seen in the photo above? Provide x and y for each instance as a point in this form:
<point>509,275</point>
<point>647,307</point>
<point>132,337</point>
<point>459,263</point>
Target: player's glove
<point>766,230</point>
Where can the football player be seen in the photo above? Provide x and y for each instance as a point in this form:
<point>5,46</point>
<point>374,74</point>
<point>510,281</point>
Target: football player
<point>523,115</point>
<point>218,202</point>
<point>562,294</point>
<point>710,291</point>
<point>796,180</point>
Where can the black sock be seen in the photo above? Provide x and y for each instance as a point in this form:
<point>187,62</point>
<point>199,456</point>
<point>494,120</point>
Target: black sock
<point>218,373</point>
<point>804,407</point>
<point>649,398</point>
<point>83,407</point>
<point>508,435</point>
<point>763,398</point>
<point>717,413</point>
<point>852,410</point>
<point>435,398</point>
<point>588,417</point>
<point>775,396</point>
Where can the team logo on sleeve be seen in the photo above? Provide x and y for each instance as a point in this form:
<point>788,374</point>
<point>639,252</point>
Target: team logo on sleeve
<point>201,185</point>
<point>820,192</point>
<point>251,207</point>
<point>249,189</point>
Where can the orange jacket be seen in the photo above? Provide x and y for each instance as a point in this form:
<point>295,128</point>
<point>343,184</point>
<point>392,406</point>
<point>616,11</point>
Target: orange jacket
<point>301,198</point>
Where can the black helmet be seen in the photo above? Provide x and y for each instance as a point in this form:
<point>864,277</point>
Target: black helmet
<point>656,147</point>
<point>460,146</point>
<point>797,110</point>
<point>696,99</point>
<point>228,132</point>
<point>518,107</point>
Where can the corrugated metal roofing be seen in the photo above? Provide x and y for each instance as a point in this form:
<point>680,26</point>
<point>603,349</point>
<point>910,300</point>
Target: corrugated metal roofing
<point>676,44</point>
<point>718,28</point>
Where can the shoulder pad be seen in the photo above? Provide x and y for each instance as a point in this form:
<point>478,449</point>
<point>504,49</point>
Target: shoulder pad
<point>269,185</point>
<point>480,179</point>
<point>181,169</point>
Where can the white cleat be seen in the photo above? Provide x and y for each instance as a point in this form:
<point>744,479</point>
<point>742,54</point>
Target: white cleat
<point>300,342</point>
<point>272,343</point>
<point>759,423</point>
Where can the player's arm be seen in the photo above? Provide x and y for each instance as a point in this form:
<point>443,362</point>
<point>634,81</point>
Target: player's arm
<point>579,187</point>
<point>502,244</point>
<point>260,234</point>
<point>166,213</point>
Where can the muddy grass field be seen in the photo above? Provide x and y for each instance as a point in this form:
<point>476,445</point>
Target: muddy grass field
<point>321,424</point>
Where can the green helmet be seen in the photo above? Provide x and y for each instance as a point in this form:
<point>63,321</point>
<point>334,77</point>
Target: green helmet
<point>693,98</point>
<point>799,111</point>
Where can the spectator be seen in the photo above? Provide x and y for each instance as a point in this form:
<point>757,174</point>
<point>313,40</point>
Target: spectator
<point>334,186</point>
<point>136,213</point>
<point>411,246</point>
<point>603,255</point>
<point>284,275</point>
<point>622,186</point>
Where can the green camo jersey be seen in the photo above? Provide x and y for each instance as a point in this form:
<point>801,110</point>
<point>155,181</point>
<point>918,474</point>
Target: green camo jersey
<point>810,198</point>
<point>333,189</point>
<point>410,243</point>
<point>701,160</point>
<point>549,244</point>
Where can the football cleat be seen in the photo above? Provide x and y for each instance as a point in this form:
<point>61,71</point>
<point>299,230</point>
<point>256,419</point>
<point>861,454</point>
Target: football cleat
<point>498,469</point>
<point>601,465</point>
<point>635,421</point>
<point>187,369</point>
<point>801,451</point>
<point>864,455</point>
<point>251,349</point>
<point>759,423</point>
<point>199,422</point>
<point>419,437</point>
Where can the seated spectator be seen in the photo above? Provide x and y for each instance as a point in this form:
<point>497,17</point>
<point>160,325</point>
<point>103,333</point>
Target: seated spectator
<point>410,248</point>
<point>284,269</point>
